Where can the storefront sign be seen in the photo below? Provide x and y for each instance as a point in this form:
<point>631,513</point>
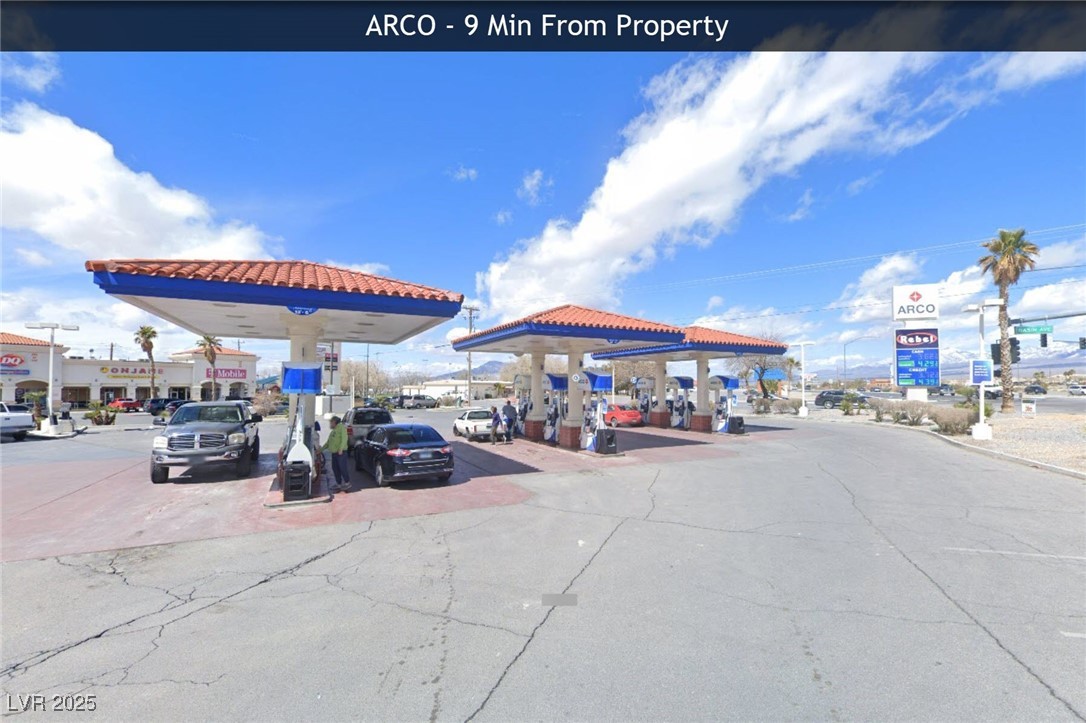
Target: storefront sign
<point>227,373</point>
<point>130,372</point>
<point>14,372</point>
<point>11,360</point>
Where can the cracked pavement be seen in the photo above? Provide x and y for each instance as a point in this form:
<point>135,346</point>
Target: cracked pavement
<point>816,571</point>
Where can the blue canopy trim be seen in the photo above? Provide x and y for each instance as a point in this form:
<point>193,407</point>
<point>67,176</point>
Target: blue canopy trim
<point>737,349</point>
<point>228,291</point>
<point>613,336</point>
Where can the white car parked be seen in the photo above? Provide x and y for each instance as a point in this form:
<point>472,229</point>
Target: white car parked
<point>1076,390</point>
<point>473,424</point>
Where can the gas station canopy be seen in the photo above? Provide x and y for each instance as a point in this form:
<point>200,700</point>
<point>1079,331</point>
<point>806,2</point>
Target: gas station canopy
<point>552,331</point>
<point>266,299</point>
<point>699,341</point>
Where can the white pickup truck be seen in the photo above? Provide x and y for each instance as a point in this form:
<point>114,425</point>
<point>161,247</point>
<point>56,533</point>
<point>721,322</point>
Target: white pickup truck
<point>16,420</point>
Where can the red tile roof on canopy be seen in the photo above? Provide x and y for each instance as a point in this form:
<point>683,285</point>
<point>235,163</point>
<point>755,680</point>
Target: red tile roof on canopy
<point>578,316</point>
<point>291,274</point>
<point>219,351</point>
<point>6,338</point>
<point>702,335</point>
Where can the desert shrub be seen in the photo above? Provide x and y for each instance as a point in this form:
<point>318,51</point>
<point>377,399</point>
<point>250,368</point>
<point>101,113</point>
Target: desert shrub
<point>99,414</point>
<point>966,392</point>
<point>846,407</point>
<point>762,405</point>
<point>879,407</point>
<point>951,420</point>
<point>915,412</point>
<point>782,406</point>
<point>265,403</point>
<point>794,405</point>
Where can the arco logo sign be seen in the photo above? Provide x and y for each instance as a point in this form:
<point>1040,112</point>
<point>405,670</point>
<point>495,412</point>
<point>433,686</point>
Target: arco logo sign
<point>915,302</point>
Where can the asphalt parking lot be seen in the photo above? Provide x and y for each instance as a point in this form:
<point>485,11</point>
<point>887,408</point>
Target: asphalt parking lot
<point>803,571</point>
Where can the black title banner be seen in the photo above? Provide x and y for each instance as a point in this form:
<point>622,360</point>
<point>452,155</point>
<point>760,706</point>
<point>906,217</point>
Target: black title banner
<point>540,26</point>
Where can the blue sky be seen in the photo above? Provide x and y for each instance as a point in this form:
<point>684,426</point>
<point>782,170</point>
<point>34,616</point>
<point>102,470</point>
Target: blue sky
<point>685,189</point>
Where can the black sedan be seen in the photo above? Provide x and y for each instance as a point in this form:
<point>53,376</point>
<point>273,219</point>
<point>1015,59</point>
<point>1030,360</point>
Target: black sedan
<point>1035,389</point>
<point>404,451</point>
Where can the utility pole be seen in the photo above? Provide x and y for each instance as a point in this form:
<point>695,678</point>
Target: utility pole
<point>367,392</point>
<point>471,329</point>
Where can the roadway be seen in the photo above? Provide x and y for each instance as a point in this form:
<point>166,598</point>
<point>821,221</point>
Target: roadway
<point>804,571</point>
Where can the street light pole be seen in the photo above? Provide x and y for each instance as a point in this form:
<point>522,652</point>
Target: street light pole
<point>982,430</point>
<point>803,411</point>
<point>52,327</point>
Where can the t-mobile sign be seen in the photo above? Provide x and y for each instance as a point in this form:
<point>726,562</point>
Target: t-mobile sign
<point>226,373</point>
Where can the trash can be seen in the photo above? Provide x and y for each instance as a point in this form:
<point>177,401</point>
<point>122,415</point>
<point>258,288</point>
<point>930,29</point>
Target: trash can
<point>297,481</point>
<point>606,441</point>
<point>736,426</point>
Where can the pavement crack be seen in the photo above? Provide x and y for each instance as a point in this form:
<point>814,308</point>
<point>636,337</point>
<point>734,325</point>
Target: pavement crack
<point>541,623</point>
<point>652,495</point>
<point>976,621</point>
<point>37,658</point>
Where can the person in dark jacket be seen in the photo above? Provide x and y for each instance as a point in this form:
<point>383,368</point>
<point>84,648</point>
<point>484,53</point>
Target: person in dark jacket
<point>495,424</point>
<point>509,412</point>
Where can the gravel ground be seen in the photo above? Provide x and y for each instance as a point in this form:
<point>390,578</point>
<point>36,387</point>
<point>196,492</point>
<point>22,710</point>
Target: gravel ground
<point>1057,439</point>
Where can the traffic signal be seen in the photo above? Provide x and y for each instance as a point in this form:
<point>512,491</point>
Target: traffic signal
<point>995,353</point>
<point>1016,356</point>
<point>1082,342</point>
<point>1044,341</point>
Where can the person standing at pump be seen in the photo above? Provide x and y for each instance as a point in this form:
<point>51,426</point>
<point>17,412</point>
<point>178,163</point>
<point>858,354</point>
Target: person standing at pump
<point>337,446</point>
<point>510,414</point>
<point>495,424</point>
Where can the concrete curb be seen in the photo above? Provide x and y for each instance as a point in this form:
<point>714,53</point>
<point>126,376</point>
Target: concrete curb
<point>980,450</point>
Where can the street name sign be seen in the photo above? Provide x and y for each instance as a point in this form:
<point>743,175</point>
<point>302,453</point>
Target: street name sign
<point>1034,329</point>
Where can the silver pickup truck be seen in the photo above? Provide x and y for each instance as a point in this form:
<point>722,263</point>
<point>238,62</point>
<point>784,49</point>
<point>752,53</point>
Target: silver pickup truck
<point>206,433</point>
<point>16,420</point>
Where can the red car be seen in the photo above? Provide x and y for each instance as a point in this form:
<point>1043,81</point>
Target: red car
<point>622,414</point>
<point>126,405</point>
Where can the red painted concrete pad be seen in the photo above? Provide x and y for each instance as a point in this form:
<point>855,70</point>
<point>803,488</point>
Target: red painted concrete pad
<point>62,509</point>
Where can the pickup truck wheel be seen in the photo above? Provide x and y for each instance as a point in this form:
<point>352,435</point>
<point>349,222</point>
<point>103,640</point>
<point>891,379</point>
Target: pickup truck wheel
<point>159,474</point>
<point>19,436</point>
<point>244,465</point>
<point>256,449</point>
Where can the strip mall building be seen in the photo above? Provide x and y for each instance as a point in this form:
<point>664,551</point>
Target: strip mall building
<point>24,367</point>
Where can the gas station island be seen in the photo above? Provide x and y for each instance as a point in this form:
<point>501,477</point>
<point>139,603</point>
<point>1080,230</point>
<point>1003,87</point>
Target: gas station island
<point>302,302</point>
<point>574,331</point>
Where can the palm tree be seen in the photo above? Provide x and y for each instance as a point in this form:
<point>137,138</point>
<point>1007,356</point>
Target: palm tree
<point>1010,255</point>
<point>145,337</point>
<point>210,345</point>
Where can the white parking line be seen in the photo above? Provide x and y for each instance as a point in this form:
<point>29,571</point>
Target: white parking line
<point>1021,554</point>
<point>1073,635</point>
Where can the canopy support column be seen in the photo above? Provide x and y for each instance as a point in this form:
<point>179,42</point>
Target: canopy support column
<point>658,416</point>
<point>533,425</point>
<point>569,434</point>
<point>702,420</point>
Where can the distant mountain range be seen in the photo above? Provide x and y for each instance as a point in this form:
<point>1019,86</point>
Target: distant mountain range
<point>489,370</point>
<point>955,365</point>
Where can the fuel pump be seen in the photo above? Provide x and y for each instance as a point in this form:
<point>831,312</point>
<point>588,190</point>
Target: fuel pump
<point>682,408</point>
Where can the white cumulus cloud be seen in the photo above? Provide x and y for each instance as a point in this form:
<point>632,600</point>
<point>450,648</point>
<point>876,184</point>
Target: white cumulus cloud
<point>503,217</point>
<point>65,184</point>
<point>533,187</point>
<point>462,173</point>
<point>715,132</point>
<point>32,71</point>
<point>804,207</point>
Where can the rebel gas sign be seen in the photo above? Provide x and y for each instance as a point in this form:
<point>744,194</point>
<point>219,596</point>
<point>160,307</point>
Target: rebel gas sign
<point>916,301</point>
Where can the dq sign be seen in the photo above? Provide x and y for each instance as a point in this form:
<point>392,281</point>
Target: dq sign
<point>11,360</point>
<point>916,302</point>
